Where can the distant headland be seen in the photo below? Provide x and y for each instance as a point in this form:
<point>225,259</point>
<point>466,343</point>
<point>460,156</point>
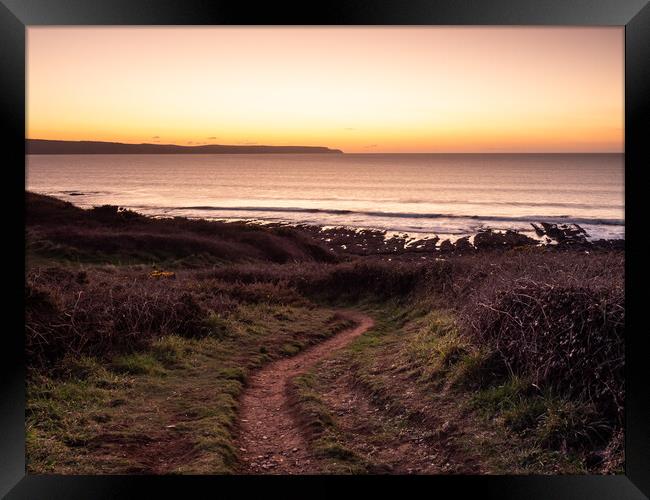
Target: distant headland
<point>47,147</point>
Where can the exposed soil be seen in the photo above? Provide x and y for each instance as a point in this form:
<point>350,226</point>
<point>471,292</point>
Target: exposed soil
<point>270,440</point>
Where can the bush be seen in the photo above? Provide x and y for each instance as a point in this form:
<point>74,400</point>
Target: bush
<point>107,313</point>
<point>565,337</point>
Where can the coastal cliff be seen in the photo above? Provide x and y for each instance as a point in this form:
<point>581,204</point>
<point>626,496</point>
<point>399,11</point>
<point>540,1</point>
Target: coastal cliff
<point>46,147</point>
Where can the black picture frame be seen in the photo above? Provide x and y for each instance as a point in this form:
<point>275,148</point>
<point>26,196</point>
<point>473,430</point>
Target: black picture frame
<point>17,15</point>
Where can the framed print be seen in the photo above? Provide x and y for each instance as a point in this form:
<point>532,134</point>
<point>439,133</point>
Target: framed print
<point>372,242</point>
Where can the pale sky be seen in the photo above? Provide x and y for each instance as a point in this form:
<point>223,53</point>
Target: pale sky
<point>371,89</point>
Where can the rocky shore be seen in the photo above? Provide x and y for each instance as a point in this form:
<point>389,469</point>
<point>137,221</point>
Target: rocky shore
<point>376,242</point>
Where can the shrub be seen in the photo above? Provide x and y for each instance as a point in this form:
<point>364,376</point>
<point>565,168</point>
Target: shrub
<point>566,337</point>
<point>107,313</point>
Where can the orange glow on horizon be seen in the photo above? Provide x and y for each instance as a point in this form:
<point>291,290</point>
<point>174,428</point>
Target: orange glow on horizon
<point>375,89</point>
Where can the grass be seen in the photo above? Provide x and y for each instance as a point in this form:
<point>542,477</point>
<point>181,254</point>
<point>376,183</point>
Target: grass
<point>170,351</point>
<point>325,438</point>
<point>179,393</point>
<point>453,381</point>
<point>138,364</point>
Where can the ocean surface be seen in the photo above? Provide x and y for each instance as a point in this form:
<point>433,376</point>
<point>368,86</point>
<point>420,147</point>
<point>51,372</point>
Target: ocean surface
<point>418,194</point>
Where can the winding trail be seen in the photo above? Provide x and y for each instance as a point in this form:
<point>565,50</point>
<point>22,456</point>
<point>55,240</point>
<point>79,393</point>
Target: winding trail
<point>270,441</point>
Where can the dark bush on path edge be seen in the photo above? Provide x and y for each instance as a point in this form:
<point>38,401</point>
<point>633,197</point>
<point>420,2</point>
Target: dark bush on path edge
<point>567,337</point>
<point>365,279</point>
<point>107,314</point>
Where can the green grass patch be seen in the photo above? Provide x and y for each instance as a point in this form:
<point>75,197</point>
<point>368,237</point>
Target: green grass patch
<point>291,348</point>
<point>138,364</point>
<point>169,350</point>
<point>220,327</point>
<point>499,398</point>
<point>324,437</point>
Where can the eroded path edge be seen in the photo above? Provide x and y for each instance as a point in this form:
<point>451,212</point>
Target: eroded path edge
<point>269,439</point>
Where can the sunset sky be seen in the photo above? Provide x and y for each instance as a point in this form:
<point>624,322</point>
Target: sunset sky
<point>422,89</point>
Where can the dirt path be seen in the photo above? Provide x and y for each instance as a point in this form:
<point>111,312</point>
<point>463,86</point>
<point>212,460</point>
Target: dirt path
<point>270,441</point>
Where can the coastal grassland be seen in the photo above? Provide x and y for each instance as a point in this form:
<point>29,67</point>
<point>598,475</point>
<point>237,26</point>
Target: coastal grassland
<point>166,403</point>
<point>107,234</point>
<point>114,352</point>
<point>141,334</point>
<point>516,368</point>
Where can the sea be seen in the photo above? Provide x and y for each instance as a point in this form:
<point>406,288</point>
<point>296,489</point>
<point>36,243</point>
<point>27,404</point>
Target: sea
<point>421,195</point>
